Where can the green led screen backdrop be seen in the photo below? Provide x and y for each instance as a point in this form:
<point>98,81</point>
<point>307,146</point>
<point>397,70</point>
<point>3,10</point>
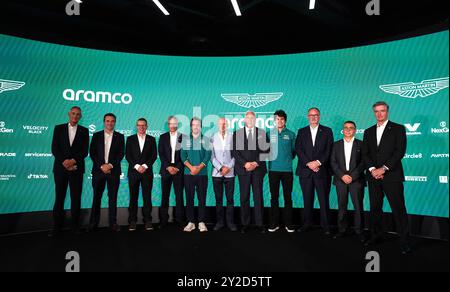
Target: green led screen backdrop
<point>40,82</point>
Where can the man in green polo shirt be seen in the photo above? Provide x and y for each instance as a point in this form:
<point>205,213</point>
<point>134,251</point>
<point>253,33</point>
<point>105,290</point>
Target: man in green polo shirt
<point>282,145</point>
<point>196,154</point>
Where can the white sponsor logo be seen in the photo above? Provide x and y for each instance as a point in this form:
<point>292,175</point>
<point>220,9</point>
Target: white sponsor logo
<point>252,101</point>
<point>358,131</point>
<point>413,129</point>
<point>7,177</point>
<point>38,155</point>
<point>442,130</point>
<point>413,156</point>
<point>4,129</point>
<point>413,90</point>
<point>440,155</point>
<point>416,178</point>
<point>6,154</point>
<point>443,179</point>
<point>33,176</point>
<point>35,130</point>
<point>9,85</point>
<point>261,122</point>
<point>97,97</point>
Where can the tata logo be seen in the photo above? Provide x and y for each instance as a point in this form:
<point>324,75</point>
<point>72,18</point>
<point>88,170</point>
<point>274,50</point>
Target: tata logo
<point>252,101</point>
<point>412,130</point>
<point>413,90</point>
<point>97,97</point>
<point>8,85</point>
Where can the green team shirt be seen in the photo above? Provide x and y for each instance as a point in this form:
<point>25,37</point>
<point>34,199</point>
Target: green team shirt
<point>196,151</point>
<point>282,150</point>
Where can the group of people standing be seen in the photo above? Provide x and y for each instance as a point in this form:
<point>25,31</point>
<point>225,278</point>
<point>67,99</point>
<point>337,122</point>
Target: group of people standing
<point>248,153</point>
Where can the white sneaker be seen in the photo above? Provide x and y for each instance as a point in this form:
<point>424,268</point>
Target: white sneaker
<point>290,230</point>
<point>202,227</point>
<point>189,228</point>
<point>274,229</point>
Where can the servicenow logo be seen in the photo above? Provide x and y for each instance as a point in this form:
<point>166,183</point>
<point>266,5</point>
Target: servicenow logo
<point>97,96</point>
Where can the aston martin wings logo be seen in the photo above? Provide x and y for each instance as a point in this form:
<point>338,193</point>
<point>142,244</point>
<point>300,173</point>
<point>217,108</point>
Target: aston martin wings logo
<point>248,101</point>
<point>413,90</point>
<point>7,85</point>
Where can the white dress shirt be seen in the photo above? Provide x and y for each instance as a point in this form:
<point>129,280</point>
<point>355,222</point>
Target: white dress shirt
<point>141,146</point>
<point>380,131</point>
<point>314,134</point>
<point>108,142</point>
<point>72,133</point>
<point>173,144</point>
<point>348,146</point>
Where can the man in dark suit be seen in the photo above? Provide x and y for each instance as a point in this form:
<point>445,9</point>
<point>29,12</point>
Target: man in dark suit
<point>251,149</point>
<point>107,151</point>
<point>383,150</point>
<point>348,168</point>
<point>70,146</point>
<point>171,172</point>
<point>141,154</point>
<point>313,146</point>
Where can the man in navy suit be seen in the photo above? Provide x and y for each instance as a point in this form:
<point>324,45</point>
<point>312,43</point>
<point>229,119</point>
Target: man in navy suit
<point>70,146</point>
<point>107,151</point>
<point>383,150</point>
<point>313,146</point>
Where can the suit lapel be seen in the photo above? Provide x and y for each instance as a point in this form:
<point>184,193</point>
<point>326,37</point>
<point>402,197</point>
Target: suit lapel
<point>352,158</point>
<point>66,136</point>
<point>102,146</point>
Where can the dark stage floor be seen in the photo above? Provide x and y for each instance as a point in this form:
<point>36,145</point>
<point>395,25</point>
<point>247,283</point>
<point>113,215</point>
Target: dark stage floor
<point>172,250</point>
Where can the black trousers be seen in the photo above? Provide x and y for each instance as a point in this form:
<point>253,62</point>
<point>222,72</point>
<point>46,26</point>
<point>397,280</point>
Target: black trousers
<point>199,184</point>
<point>356,191</point>
<point>394,192</point>
<point>62,182</point>
<point>246,183</point>
<point>166,185</point>
<point>309,186</point>
<point>99,183</point>
<point>286,179</point>
<point>136,180</point>
<point>222,184</point>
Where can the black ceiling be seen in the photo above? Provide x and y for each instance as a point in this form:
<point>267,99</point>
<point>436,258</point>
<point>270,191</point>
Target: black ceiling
<point>211,28</point>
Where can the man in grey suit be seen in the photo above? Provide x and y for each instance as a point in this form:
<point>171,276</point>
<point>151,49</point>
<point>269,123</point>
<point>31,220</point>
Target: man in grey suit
<point>223,175</point>
<point>348,168</point>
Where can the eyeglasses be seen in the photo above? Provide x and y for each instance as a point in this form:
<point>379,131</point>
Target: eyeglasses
<point>313,116</point>
<point>349,128</point>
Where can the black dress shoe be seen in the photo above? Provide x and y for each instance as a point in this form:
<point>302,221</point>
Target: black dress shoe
<point>405,249</point>
<point>262,230</point>
<point>339,235</point>
<point>115,228</point>
<point>372,241</point>
<point>92,228</point>
<point>304,229</point>
<point>54,233</point>
<point>362,237</point>
<point>76,231</point>
<point>162,225</point>
<point>244,230</point>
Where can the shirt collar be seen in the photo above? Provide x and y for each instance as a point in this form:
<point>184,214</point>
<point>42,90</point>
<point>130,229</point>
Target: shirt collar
<point>314,129</point>
<point>383,124</point>
<point>351,141</point>
<point>74,127</point>
<point>175,134</point>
